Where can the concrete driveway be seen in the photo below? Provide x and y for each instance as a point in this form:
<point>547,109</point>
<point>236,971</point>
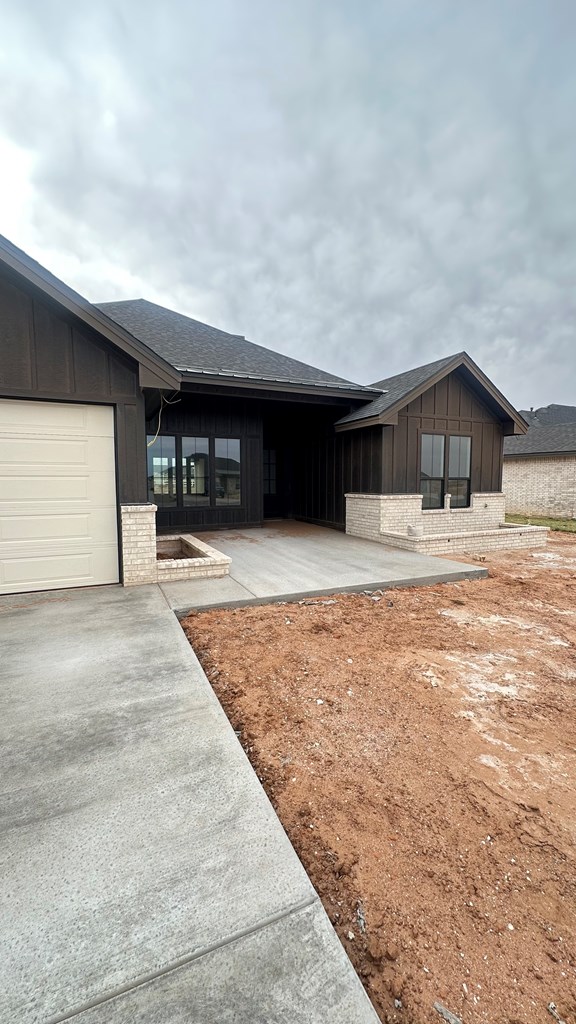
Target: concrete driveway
<point>145,876</point>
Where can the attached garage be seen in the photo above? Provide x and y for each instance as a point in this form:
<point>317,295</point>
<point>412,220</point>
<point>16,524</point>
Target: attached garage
<point>58,505</point>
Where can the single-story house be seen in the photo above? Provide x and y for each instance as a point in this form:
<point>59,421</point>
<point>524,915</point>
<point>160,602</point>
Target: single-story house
<point>539,474</point>
<point>123,421</point>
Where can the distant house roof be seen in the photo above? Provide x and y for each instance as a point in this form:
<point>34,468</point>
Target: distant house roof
<point>198,350</point>
<point>550,415</point>
<point>17,261</point>
<point>554,440</point>
<point>403,388</point>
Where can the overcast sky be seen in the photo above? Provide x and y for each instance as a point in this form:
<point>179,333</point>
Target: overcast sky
<point>363,185</point>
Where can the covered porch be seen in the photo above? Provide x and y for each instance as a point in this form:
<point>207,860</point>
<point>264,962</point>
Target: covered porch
<point>288,560</point>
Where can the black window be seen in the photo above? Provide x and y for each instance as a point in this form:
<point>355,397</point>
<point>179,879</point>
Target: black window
<point>188,472</point>
<point>432,470</point>
<point>227,470</point>
<point>162,471</point>
<point>445,470</point>
<point>459,462</point>
<point>269,471</point>
<point>195,471</point>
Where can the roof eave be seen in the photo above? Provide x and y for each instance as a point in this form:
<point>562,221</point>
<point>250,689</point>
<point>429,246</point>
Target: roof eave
<point>165,374</point>
<point>293,387</point>
<point>536,455</point>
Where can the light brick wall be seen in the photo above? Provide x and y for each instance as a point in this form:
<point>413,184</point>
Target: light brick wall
<point>138,525</point>
<point>368,515</point>
<point>399,520</point>
<point>363,512</point>
<point>499,539</point>
<point>541,486</point>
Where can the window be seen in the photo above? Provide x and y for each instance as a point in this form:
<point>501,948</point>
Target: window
<point>269,471</point>
<point>440,475</point>
<point>227,470</point>
<point>162,471</point>
<point>432,471</point>
<point>459,471</point>
<point>195,471</point>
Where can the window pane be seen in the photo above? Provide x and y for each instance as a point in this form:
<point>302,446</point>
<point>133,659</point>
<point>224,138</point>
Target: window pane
<point>195,471</point>
<point>459,491</point>
<point>162,471</point>
<point>269,474</point>
<point>432,459</point>
<point>459,457</point>
<point>227,470</point>
<point>432,493</point>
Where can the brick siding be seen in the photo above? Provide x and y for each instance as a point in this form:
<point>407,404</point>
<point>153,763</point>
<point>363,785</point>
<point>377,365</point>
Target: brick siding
<point>399,520</point>
<point>541,486</point>
<point>139,552</point>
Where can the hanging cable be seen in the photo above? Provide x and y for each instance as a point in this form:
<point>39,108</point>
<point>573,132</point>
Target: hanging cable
<point>163,401</point>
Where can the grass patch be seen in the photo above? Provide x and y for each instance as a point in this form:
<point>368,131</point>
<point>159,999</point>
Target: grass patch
<point>566,525</point>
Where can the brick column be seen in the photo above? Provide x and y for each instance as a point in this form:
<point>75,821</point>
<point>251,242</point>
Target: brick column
<point>138,524</point>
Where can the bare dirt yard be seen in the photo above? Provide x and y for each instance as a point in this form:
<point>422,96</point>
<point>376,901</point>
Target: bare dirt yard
<point>419,747</point>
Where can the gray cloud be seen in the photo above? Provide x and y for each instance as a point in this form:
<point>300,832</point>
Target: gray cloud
<point>362,186</point>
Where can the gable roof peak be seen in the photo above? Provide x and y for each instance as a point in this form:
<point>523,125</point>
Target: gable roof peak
<point>402,388</point>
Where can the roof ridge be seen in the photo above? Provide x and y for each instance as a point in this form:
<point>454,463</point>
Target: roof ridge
<point>416,369</point>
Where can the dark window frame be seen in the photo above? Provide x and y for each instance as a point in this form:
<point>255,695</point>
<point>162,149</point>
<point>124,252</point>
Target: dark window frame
<point>212,504</point>
<point>446,434</point>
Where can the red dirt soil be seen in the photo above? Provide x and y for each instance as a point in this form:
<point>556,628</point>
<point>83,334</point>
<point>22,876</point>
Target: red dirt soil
<point>419,747</point>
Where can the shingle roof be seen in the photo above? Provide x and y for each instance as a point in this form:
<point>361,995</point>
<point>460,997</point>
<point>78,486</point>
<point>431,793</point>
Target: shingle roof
<point>543,441</point>
<point>550,415</point>
<point>398,387</point>
<point>194,347</point>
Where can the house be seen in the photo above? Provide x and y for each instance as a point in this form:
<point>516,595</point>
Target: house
<point>125,420</point>
<point>539,474</point>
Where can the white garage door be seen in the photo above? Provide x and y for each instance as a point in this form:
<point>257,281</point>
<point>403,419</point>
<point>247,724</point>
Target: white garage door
<point>58,524</point>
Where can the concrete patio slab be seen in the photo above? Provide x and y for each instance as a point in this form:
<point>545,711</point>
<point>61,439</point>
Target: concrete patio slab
<point>135,837</point>
<point>288,560</point>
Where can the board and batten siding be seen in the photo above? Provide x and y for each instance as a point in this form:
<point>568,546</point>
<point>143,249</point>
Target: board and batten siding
<point>202,416</point>
<point>448,406</point>
<point>48,355</point>
<point>332,465</point>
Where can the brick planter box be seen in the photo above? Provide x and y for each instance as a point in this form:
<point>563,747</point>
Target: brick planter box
<point>400,521</point>
<point>193,559</point>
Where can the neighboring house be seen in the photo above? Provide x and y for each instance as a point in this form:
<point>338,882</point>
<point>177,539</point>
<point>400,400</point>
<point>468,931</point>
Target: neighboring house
<point>110,412</point>
<point>539,476</point>
<point>549,415</point>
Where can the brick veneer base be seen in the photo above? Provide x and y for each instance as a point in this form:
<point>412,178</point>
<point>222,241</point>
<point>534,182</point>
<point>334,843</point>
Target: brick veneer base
<point>139,552</point>
<point>399,520</point>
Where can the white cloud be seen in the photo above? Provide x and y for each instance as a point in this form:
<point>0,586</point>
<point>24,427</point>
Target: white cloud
<point>366,188</point>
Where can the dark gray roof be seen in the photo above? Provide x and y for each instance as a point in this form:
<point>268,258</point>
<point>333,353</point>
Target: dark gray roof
<point>543,441</point>
<point>194,347</point>
<point>550,415</point>
<point>398,387</point>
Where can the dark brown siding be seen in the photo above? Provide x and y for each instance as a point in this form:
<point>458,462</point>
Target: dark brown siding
<point>449,406</point>
<point>46,355</point>
<point>318,465</point>
<point>202,416</point>
<point>328,465</point>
